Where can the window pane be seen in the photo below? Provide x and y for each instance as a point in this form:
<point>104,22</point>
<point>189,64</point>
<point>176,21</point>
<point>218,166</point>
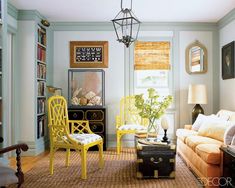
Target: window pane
<point>151,78</point>
<point>157,79</point>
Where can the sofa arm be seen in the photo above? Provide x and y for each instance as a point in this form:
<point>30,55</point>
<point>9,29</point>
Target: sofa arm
<point>189,127</point>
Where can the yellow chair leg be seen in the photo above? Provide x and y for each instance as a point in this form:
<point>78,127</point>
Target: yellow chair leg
<point>118,143</point>
<point>83,159</point>
<point>67,157</point>
<point>101,159</point>
<point>52,152</point>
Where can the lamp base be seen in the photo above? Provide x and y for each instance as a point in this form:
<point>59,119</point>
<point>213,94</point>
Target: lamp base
<point>165,139</point>
<point>197,109</point>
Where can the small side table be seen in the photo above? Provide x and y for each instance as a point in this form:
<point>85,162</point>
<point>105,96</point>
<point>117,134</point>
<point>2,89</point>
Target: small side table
<point>228,177</point>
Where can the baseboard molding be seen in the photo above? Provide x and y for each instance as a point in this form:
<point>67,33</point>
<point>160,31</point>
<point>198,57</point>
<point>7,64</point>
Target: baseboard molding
<point>36,148</point>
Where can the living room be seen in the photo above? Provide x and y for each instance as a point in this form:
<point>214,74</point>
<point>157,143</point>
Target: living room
<point>42,42</point>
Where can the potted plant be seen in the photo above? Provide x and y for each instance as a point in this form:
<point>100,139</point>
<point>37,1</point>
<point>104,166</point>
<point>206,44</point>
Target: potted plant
<point>152,108</point>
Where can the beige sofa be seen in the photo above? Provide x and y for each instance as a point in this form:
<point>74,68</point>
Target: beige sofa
<point>202,153</point>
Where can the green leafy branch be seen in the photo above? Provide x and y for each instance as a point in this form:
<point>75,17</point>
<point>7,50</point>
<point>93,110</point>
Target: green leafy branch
<point>152,108</point>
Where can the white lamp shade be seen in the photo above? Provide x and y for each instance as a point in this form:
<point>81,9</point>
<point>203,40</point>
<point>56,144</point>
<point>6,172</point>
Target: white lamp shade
<point>197,94</point>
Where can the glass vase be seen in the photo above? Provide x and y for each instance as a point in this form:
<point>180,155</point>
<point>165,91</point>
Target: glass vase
<point>152,132</point>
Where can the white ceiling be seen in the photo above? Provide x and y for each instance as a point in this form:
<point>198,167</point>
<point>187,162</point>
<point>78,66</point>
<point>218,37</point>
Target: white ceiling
<point>145,10</point>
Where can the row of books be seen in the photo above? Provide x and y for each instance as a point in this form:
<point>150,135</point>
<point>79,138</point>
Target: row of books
<point>41,88</point>
<point>41,71</point>
<point>41,54</point>
<point>41,106</point>
<point>42,36</point>
<point>41,126</point>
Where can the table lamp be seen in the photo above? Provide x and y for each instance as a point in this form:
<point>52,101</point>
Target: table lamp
<point>197,95</point>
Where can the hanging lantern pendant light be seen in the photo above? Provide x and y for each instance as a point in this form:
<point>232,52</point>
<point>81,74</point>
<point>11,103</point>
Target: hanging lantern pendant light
<point>126,26</point>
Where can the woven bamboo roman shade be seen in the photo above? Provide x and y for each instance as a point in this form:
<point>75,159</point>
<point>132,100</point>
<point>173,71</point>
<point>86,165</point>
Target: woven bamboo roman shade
<point>152,55</point>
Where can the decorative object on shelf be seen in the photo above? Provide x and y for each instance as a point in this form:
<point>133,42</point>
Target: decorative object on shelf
<point>165,126</point>
<point>45,23</point>
<point>54,90</point>
<point>152,108</point>
<point>126,26</point>
<point>86,87</point>
<point>228,61</point>
<point>196,58</point>
<point>89,54</point>
<point>197,95</point>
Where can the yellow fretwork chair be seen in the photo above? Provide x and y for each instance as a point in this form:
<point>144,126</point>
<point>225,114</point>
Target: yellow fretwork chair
<point>80,139</point>
<point>129,121</point>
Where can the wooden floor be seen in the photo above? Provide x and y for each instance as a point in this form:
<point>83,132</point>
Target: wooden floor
<point>28,163</point>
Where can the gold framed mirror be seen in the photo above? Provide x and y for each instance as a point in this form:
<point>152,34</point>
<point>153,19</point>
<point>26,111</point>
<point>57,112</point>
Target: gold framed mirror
<point>196,58</point>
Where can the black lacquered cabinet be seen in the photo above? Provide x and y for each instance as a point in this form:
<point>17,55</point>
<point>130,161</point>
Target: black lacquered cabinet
<point>96,117</point>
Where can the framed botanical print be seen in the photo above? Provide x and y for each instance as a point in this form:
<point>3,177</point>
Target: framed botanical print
<point>88,54</point>
<point>228,61</point>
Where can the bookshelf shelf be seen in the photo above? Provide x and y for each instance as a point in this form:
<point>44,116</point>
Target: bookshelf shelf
<point>41,114</point>
<point>41,79</point>
<point>41,96</point>
<point>42,45</point>
<point>42,62</point>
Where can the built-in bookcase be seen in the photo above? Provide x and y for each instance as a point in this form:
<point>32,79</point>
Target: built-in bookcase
<point>41,80</point>
<point>1,83</point>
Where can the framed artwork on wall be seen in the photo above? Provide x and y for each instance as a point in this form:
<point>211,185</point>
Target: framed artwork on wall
<point>89,54</point>
<point>228,61</point>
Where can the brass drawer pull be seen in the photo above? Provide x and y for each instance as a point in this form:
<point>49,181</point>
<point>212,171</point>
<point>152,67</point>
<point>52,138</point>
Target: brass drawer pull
<point>156,162</point>
<point>94,127</point>
<point>75,115</point>
<point>94,115</point>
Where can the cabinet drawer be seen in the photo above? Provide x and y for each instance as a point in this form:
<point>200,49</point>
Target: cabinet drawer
<point>76,115</point>
<point>96,127</point>
<point>95,115</point>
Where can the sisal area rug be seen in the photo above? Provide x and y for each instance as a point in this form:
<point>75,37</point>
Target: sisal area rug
<point>119,171</point>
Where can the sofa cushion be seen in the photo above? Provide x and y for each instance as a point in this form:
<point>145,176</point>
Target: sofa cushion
<point>7,176</point>
<point>214,130</point>
<point>210,153</point>
<point>193,141</point>
<point>182,134</point>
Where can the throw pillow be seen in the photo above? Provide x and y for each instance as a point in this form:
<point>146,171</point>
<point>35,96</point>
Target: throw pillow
<point>233,140</point>
<point>229,135</point>
<point>202,118</point>
<point>214,129</point>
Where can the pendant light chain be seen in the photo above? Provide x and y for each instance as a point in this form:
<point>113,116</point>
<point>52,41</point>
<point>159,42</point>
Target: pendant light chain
<point>122,6</point>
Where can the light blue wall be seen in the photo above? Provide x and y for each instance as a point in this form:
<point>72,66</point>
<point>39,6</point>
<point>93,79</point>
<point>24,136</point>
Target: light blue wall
<point>150,29</point>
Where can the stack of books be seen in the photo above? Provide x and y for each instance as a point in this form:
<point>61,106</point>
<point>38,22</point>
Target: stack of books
<point>143,134</point>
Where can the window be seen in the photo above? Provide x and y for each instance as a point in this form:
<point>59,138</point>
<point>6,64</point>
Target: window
<point>152,67</point>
